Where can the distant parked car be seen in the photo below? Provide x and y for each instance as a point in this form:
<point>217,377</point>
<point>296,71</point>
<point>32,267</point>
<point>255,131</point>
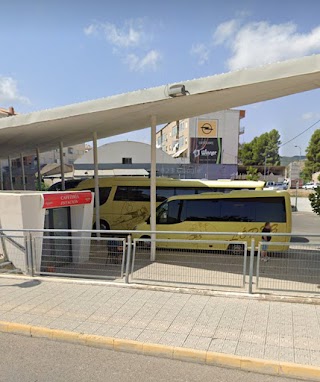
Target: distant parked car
<point>310,186</point>
<point>276,186</point>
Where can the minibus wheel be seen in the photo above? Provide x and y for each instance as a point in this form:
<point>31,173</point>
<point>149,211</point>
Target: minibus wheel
<point>103,226</point>
<point>144,244</point>
<point>236,249</point>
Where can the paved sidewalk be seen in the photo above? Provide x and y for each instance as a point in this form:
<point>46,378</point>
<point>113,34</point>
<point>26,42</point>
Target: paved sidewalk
<point>271,330</point>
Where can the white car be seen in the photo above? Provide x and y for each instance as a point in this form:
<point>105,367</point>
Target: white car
<point>310,186</point>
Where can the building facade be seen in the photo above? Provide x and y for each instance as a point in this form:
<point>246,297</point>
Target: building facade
<point>208,143</point>
<point>70,154</point>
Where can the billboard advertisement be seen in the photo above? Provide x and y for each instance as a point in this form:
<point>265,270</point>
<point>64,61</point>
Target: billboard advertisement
<point>205,150</point>
<point>207,128</point>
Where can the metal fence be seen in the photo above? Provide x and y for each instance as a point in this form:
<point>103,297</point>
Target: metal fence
<point>294,269</point>
<point>190,267</point>
<point>91,257</point>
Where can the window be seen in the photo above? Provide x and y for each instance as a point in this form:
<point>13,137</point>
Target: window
<point>132,193</point>
<point>200,210</point>
<point>181,142</point>
<point>126,160</point>
<point>235,210</point>
<point>168,213</point>
<point>103,194</point>
<point>70,150</point>
<point>174,131</point>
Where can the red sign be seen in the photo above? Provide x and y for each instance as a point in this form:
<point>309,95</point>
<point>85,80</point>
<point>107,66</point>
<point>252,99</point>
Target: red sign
<point>66,199</point>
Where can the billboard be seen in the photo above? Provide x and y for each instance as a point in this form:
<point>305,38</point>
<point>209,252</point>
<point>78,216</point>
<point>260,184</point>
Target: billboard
<point>205,150</point>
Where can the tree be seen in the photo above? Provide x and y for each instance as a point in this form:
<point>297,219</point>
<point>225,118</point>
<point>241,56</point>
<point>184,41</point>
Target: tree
<point>312,164</point>
<point>315,201</point>
<point>252,173</point>
<point>264,148</point>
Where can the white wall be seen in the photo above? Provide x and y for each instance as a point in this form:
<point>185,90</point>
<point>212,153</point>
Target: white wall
<point>114,152</point>
<point>23,210</point>
<point>81,218</point>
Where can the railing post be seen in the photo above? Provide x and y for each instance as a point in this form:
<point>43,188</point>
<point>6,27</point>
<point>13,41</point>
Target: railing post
<point>128,257</point>
<point>29,254</point>
<point>251,264</point>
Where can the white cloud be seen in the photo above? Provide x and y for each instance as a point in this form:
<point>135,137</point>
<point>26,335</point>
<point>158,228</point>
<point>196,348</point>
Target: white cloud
<point>91,30</point>
<point>130,35</point>
<point>224,31</point>
<point>130,42</point>
<point>259,43</point>
<point>310,115</point>
<point>9,91</point>
<point>201,51</point>
<point>149,61</point>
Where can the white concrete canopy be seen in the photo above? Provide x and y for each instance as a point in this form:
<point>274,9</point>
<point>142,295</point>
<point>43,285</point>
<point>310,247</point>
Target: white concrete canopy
<point>123,113</point>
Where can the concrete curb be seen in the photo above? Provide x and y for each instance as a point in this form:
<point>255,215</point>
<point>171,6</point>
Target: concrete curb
<point>283,369</point>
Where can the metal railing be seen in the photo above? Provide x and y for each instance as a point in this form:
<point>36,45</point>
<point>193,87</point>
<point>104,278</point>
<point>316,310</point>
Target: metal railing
<point>190,267</point>
<point>207,264</point>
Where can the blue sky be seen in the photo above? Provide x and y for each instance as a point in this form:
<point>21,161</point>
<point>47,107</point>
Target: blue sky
<point>63,52</point>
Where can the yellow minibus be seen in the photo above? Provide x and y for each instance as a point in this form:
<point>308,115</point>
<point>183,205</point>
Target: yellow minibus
<point>125,201</point>
<point>243,212</point>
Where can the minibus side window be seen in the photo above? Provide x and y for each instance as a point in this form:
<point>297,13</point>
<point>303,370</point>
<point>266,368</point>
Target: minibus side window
<point>164,193</point>
<point>104,193</point>
<point>132,194</point>
<point>253,209</point>
<point>200,210</point>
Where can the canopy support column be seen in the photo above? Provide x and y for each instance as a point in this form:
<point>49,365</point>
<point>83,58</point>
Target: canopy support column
<point>96,181</point>
<point>22,172</point>
<point>38,164</point>
<point>153,187</point>
<point>63,184</point>
<point>10,173</point>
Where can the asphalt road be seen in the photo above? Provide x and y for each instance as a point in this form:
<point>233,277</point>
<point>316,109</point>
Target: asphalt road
<point>26,359</point>
<point>305,223</point>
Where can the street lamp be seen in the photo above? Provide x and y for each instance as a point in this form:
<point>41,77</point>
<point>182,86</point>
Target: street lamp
<point>265,166</point>
<point>298,180</point>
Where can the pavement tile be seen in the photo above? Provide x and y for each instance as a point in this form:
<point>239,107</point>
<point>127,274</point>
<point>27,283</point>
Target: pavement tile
<point>288,332</point>
<point>229,347</point>
<point>197,342</point>
<point>286,354</point>
<point>216,345</point>
<point>173,339</point>
<point>107,330</point>
<point>150,336</point>
<point>128,333</point>
<point>302,356</point>
<point>243,349</point>
<point>271,352</point>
